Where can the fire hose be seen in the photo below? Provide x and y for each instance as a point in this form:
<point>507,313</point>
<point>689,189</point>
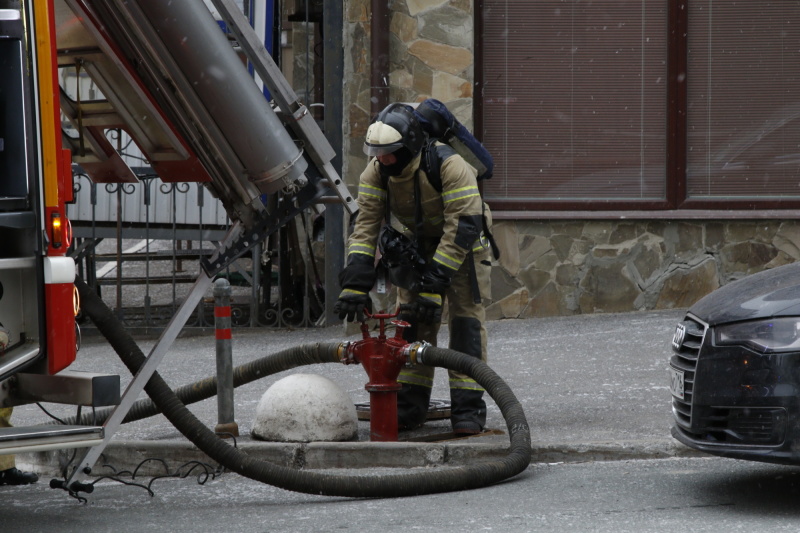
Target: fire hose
<point>427,481</point>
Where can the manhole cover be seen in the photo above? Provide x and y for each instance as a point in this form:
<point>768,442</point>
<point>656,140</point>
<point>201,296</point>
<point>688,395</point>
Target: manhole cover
<point>437,410</point>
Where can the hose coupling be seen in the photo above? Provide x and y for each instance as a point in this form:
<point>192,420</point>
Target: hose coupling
<point>345,354</point>
<point>413,352</point>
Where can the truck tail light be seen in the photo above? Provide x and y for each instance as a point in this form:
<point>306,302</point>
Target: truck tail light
<point>56,230</point>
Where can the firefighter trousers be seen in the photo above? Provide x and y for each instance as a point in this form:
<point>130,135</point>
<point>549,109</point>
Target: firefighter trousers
<point>467,335</point>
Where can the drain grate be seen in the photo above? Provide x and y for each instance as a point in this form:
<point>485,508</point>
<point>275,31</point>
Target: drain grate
<point>441,437</point>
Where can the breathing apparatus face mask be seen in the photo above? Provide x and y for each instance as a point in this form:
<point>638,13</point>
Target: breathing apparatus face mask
<point>394,131</point>
<point>403,158</point>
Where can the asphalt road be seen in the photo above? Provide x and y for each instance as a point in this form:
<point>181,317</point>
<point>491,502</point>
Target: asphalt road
<point>679,494</point>
<point>594,389</point>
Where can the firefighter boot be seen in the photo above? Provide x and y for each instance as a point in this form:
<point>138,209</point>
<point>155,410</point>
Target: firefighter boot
<point>12,476</point>
<point>412,406</point>
<point>468,411</point>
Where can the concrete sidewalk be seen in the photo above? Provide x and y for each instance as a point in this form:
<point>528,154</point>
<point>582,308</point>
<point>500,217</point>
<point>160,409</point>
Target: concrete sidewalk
<point>594,387</point>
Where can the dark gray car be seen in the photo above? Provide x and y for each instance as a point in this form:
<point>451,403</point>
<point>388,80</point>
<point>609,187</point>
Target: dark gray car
<point>735,371</point>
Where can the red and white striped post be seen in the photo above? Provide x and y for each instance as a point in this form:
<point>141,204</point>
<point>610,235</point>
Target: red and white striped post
<point>226,425</point>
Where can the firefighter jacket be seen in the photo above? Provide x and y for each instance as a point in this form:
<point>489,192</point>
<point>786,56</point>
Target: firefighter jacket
<point>451,220</point>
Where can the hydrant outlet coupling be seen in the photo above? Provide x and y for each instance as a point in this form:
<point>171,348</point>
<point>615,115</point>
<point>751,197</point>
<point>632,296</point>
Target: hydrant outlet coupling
<point>345,353</point>
<point>413,352</point>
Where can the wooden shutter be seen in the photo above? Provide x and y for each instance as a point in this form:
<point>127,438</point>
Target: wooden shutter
<point>743,134</point>
<point>574,99</point>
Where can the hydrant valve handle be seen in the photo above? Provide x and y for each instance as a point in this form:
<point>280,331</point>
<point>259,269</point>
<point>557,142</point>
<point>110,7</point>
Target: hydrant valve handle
<point>379,315</point>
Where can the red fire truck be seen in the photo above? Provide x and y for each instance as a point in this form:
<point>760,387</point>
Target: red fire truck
<point>37,296</point>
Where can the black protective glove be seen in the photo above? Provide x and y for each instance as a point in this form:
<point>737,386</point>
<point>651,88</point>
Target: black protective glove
<point>359,274</point>
<point>351,305</point>
<point>434,285</point>
<point>429,308</point>
<point>356,279</point>
<point>436,279</point>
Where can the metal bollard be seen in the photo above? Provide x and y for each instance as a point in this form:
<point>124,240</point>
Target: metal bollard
<point>226,425</point>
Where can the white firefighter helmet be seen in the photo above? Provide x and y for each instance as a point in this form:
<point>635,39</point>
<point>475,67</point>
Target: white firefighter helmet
<point>395,127</point>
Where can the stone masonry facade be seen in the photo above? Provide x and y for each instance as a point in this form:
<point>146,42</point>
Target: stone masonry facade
<point>567,268</point>
<point>549,267</point>
<point>430,56</point>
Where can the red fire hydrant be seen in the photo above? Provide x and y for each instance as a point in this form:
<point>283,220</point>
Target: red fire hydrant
<point>382,358</point>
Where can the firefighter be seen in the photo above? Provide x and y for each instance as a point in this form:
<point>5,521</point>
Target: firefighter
<point>434,250</point>
<point>9,475</point>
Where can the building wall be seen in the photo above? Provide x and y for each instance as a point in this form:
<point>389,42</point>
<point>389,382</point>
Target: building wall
<point>551,267</point>
<point>593,266</point>
<point>430,56</point>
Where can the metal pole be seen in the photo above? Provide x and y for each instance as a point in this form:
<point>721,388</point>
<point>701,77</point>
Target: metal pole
<point>222,320</point>
<point>255,309</point>
<point>333,26</point>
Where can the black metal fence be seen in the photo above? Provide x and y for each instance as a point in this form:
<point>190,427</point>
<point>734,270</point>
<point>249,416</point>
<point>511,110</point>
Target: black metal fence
<point>139,245</point>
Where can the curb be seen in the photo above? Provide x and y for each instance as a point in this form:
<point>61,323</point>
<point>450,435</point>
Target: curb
<point>147,456</point>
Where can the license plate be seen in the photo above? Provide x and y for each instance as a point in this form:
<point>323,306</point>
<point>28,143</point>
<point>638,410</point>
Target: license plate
<point>676,382</point>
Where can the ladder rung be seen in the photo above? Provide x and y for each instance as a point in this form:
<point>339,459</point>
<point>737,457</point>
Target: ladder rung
<point>41,438</point>
<point>156,255</point>
<point>152,280</point>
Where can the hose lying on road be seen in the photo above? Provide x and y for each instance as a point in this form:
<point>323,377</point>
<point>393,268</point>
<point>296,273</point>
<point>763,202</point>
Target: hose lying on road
<point>417,482</point>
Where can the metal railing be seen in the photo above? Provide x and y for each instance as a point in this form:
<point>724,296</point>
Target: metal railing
<point>139,245</point>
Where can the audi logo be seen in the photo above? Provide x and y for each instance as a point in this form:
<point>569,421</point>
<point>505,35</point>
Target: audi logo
<point>678,338</point>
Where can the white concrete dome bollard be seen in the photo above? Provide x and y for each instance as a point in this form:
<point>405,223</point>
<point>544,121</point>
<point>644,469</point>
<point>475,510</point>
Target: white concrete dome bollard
<point>305,408</point>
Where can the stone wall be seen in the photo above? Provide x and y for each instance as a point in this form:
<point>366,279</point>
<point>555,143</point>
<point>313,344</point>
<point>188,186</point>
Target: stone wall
<point>566,268</point>
<point>430,56</point>
<point>551,267</point>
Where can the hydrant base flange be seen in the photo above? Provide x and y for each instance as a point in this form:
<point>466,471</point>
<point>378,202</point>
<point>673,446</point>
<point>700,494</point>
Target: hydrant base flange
<point>437,410</point>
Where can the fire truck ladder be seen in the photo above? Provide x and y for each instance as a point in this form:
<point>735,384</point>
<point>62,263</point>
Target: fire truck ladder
<point>129,24</point>
<point>240,239</point>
